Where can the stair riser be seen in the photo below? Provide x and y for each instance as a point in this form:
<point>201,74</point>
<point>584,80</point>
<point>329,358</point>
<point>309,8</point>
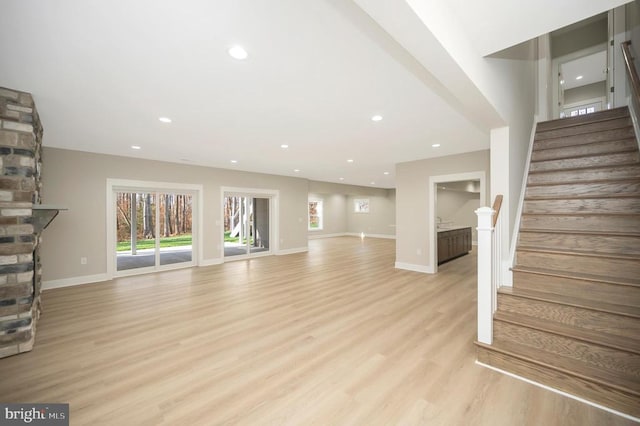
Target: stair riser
<point>616,361</point>
<point>584,128</point>
<point>581,242</point>
<point>612,173</point>
<point>588,319</point>
<point>581,139</point>
<point>586,206</point>
<point>567,263</point>
<point>572,122</point>
<point>575,190</point>
<point>628,145</point>
<point>609,160</point>
<point>581,223</point>
<point>594,392</point>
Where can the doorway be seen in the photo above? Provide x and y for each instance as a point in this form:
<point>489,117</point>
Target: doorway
<point>473,183</point>
<point>249,222</point>
<point>246,225</point>
<point>151,228</point>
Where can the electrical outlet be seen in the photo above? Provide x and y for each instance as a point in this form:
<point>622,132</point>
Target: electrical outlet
<point>83,260</point>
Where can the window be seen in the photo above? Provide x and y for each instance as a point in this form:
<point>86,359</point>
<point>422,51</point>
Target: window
<point>315,215</point>
<point>361,205</point>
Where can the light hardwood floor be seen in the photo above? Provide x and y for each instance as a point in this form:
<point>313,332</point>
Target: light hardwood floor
<point>333,336</point>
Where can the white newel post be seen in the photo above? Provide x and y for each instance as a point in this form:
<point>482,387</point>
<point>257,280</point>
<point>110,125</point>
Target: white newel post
<point>485,290</point>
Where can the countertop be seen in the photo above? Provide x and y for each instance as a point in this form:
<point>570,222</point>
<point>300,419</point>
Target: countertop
<point>453,228</point>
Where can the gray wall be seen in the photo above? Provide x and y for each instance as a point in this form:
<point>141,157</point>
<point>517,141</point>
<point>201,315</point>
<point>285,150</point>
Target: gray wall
<point>77,180</point>
<point>338,215</point>
<point>459,207</point>
<point>583,93</point>
<point>412,201</point>
<point>568,41</point>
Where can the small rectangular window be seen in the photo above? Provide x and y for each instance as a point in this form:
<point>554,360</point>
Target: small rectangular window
<point>315,215</point>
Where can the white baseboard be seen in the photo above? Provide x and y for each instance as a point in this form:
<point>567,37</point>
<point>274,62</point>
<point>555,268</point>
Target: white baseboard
<point>356,234</point>
<point>568,395</point>
<point>318,236</point>
<point>68,282</point>
<point>211,262</point>
<point>292,251</point>
<point>425,269</point>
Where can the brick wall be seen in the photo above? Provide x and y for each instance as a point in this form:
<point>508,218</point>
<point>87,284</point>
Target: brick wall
<point>20,161</point>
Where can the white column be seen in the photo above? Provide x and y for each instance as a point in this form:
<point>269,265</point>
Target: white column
<point>485,291</point>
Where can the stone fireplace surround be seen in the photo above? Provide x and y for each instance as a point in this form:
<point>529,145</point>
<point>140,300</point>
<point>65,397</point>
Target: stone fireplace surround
<point>20,270</point>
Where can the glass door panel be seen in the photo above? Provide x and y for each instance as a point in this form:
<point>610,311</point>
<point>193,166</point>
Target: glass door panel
<point>259,221</point>
<point>136,230</point>
<point>246,225</point>
<point>175,230</point>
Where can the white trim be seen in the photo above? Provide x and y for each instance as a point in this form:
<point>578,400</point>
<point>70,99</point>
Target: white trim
<point>73,281</point>
<point>554,390</point>
<point>210,262</point>
<point>318,236</point>
<point>432,226</point>
<point>292,251</point>
<point>425,269</point>
<point>359,235</point>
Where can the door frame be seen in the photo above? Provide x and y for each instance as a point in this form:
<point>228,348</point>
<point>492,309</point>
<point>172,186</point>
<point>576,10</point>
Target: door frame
<point>432,225</point>
<point>127,185</point>
<point>274,218</point>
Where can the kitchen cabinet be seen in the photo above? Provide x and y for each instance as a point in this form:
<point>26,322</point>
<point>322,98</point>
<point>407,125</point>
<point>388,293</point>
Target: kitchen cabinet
<point>453,243</point>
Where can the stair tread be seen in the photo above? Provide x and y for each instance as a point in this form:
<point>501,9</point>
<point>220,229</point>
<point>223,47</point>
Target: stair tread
<point>580,232</point>
<point>628,344</point>
<point>567,365</point>
<point>596,305</point>
<point>559,123</point>
<point>628,145</point>
<point>583,182</point>
<point>584,253</point>
<point>580,276</point>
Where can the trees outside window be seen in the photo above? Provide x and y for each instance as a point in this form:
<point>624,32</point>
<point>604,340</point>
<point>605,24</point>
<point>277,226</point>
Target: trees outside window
<point>315,215</point>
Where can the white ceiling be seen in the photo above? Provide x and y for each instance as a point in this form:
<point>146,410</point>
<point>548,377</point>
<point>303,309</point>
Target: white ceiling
<point>103,72</point>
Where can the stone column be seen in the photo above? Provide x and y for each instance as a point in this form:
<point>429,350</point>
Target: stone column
<point>20,160</point>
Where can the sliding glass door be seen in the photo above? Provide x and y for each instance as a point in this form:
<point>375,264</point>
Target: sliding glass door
<point>246,225</point>
<point>153,229</point>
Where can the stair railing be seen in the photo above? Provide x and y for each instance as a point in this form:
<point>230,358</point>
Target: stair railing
<point>490,228</point>
<point>634,82</point>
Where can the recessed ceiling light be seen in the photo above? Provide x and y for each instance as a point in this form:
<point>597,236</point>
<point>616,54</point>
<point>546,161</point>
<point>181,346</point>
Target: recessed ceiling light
<point>373,183</point>
<point>234,161</point>
<point>435,145</point>
<point>284,146</point>
<point>341,178</point>
<point>165,119</point>
<point>238,52</point>
<point>296,170</point>
<point>386,173</point>
<point>376,118</point>
<point>349,161</point>
<point>136,147</point>
<point>561,81</point>
<point>579,77</point>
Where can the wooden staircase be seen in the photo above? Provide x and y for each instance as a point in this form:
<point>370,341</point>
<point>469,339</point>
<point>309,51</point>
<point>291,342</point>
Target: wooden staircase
<point>571,320</point>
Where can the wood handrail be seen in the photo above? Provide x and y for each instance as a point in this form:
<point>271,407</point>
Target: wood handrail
<point>497,203</point>
<point>632,72</point>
